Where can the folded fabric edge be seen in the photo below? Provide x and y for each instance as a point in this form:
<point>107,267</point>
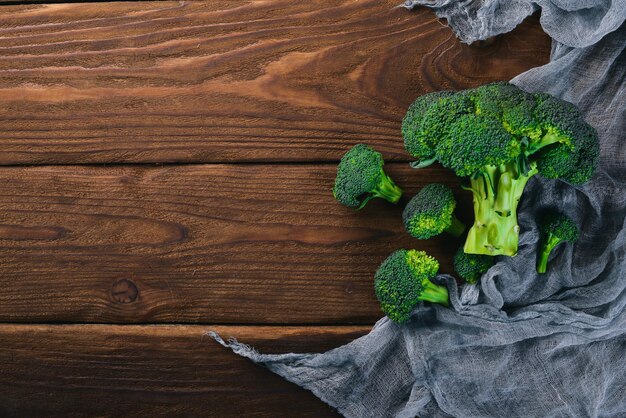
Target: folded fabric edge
<point>471,29</point>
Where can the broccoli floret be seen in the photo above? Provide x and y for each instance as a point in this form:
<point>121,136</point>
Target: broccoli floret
<point>509,105</point>
<point>497,137</point>
<point>416,141</point>
<point>403,279</point>
<point>555,228</point>
<point>485,142</point>
<point>430,212</point>
<point>360,177</point>
<point>574,155</point>
<point>471,266</point>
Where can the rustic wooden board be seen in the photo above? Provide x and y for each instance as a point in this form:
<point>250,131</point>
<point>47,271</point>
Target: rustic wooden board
<point>196,243</point>
<point>222,81</point>
<point>203,82</point>
<point>153,371</point>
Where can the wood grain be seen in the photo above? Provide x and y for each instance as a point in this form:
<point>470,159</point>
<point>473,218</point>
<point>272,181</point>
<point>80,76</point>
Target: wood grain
<point>221,81</point>
<point>197,243</point>
<point>153,371</point>
<point>225,81</point>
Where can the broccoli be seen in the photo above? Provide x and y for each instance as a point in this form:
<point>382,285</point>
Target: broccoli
<point>497,137</point>
<point>403,279</point>
<point>471,266</point>
<point>416,141</point>
<point>556,228</point>
<point>360,177</point>
<point>430,212</point>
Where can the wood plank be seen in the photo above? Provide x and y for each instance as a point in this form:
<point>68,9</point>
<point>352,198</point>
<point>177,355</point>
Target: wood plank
<point>153,371</point>
<point>197,243</point>
<point>222,81</point>
<point>31,2</point>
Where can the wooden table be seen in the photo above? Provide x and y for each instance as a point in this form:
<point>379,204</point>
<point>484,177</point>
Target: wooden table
<point>166,170</point>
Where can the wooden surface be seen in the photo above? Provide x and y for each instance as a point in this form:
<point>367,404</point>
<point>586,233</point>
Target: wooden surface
<point>218,81</point>
<point>171,163</point>
<point>155,371</point>
<point>202,243</point>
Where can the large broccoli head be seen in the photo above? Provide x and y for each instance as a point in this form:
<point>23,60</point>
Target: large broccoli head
<point>471,266</point>
<point>555,228</point>
<point>498,136</point>
<point>431,212</point>
<point>404,279</point>
<point>360,177</point>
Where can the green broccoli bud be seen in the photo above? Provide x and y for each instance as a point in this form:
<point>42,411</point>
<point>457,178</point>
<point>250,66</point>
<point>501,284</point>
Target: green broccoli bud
<point>555,228</point>
<point>473,141</point>
<point>360,177</point>
<point>509,105</point>
<point>404,279</point>
<point>431,212</point>
<point>471,267</point>
<point>573,162</point>
<point>418,143</point>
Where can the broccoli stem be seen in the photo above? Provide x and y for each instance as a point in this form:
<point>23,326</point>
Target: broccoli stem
<point>456,228</point>
<point>422,163</point>
<point>434,293</point>
<point>496,196</point>
<point>387,189</point>
<point>548,245</point>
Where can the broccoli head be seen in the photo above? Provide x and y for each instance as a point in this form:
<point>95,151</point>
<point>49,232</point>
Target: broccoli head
<point>360,177</point>
<point>403,279</point>
<point>555,228</point>
<point>431,212</point>
<point>497,137</point>
<point>471,266</point>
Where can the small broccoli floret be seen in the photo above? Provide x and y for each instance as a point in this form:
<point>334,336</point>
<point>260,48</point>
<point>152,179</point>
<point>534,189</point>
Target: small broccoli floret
<point>497,137</point>
<point>403,279</point>
<point>555,228</point>
<point>471,266</point>
<point>360,177</point>
<point>416,141</point>
<point>573,145</point>
<point>431,212</point>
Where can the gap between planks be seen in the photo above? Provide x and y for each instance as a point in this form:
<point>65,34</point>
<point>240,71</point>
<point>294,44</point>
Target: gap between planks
<point>296,163</point>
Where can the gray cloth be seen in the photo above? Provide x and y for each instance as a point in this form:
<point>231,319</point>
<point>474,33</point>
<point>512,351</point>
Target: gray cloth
<point>517,344</point>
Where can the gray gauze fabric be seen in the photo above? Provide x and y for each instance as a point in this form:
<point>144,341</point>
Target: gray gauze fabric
<point>517,344</point>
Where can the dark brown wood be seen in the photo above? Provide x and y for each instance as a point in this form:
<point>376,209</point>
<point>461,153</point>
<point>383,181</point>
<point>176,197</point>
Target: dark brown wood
<point>207,82</point>
<point>153,371</point>
<point>34,2</point>
<point>219,81</point>
<point>204,243</point>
